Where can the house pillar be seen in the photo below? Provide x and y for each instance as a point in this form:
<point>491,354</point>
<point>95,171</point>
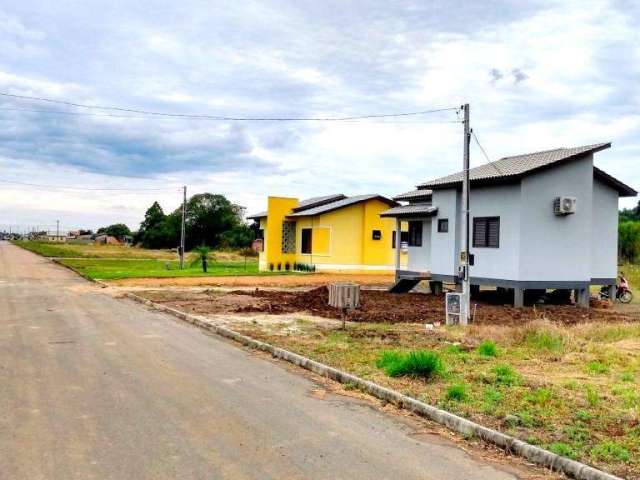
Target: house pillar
<point>582,297</point>
<point>613,289</point>
<point>398,246</point>
<point>518,297</point>
<point>435,287</point>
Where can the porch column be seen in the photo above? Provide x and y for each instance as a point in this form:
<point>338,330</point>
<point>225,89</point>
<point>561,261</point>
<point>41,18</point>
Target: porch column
<point>582,297</point>
<point>518,297</point>
<point>612,292</point>
<point>398,246</point>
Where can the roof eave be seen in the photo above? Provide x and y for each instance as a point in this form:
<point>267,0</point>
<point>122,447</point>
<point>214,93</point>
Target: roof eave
<point>304,213</point>
<point>623,189</point>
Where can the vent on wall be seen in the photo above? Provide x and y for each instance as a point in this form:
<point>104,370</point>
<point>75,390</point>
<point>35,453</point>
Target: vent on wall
<point>564,205</point>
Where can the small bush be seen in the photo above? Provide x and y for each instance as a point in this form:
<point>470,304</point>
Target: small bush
<point>457,393</point>
<point>279,266</point>
<point>627,376</point>
<point>563,449</point>
<point>505,375</point>
<point>540,396</point>
<point>418,363</point>
<point>287,266</point>
<point>488,348</point>
<point>271,267</point>
<point>583,415</point>
<point>610,451</point>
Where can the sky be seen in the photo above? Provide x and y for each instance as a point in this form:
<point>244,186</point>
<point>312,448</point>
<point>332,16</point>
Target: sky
<point>538,75</point>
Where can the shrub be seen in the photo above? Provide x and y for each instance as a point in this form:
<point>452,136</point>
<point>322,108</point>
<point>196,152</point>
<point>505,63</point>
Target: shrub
<point>505,375</point>
<point>540,396</point>
<point>287,266</point>
<point>457,392</point>
<point>610,451</point>
<point>592,396</point>
<point>488,348</point>
<point>271,267</point>
<point>279,266</point>
<point>418,363</point>
<point>563,449</point>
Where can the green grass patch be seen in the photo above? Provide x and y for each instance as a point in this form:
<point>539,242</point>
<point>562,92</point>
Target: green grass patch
<point>610,451</point>
<point>544,339</point>
<point>596,367</point>
<point>50,249</point>
<point>488,348</point>
<point>417,363</point>
<point>563,449</point>
<point>457,393</point>
<point>504,374</point>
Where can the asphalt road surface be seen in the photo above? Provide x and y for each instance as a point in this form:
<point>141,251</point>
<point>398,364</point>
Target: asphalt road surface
<point>93,387</point>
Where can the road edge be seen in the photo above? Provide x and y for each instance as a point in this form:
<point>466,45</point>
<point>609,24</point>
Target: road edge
<point>535,454</point>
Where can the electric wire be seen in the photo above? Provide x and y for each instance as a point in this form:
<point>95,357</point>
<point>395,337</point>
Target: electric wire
<point>90,189</point>
<point>229,118</point>
<point>492,163</point>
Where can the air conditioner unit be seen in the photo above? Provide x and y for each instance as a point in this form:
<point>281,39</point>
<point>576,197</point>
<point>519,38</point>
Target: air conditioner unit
<point>564,205</point>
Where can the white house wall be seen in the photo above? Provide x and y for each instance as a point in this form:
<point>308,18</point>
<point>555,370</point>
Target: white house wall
<point>604,234</point>
<point>497,201</point>
<point>557,248</point>
<point>420,257</point>
<point>443,245</point>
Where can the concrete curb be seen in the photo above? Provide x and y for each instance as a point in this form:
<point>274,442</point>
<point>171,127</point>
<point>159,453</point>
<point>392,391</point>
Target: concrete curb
<point>508,443</point>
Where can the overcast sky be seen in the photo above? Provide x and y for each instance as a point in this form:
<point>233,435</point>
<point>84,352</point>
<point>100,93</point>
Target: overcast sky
<point>538,75</point>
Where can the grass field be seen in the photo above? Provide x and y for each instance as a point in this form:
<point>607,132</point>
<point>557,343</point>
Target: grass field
<point>109,262</point>
<point>111,269</point>
<point>71,250</point>
<point>573,389</point>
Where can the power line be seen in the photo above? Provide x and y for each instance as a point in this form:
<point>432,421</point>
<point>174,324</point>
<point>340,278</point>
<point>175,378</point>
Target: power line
<point>229,118</point>
<point>63,187</point>
<point>493,164</point>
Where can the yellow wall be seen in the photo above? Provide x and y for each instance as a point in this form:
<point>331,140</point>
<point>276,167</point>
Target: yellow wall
<point>341,239</point>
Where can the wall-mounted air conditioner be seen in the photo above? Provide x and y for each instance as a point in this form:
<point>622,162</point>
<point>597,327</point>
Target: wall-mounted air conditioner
<point>564,205</point>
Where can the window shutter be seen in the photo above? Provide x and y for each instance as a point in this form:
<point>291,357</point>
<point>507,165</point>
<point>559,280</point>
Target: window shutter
<point>479,232</point>
<point>493,235</point>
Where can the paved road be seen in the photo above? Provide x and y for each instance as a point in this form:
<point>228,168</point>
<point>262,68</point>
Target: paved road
<point>93,387</point>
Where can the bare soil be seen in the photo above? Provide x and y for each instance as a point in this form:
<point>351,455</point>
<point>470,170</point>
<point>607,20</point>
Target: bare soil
<point>284,281</point>
<point>376,307</point>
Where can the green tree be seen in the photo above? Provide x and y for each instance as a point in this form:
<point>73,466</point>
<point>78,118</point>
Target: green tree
<point>208,216</point>
<point>629,241</point>
<point>118,230</point>
<point>154,231</point>
<point>239,236</point>
<point>630,213</point>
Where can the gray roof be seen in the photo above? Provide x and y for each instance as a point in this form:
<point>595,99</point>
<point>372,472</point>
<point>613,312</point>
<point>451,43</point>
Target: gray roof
<point>345,202</point>
<point>515,167</point>
<point>411,210</point>
<point>317,201</point>
<point>414,195</point>
<point>257,216</point>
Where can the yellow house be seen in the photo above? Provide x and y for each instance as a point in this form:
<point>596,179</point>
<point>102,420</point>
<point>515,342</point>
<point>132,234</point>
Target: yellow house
<point>331,233</point>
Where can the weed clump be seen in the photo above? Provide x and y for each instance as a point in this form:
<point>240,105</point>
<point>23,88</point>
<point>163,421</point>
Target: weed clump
<point>488,348</point>
<point>545,339</point>
<point>505,375</point>
<point>610,451</point>
<point>563,449</point>
<point>457,392</point>
<point>418,363</point>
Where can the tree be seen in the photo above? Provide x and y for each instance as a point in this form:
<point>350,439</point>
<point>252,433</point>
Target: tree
<point>208,216</point>
<point>118,230</point>
<point>154,231</point>
<point>630,213</point>
<point>239,236</point>
<point>629,241</point>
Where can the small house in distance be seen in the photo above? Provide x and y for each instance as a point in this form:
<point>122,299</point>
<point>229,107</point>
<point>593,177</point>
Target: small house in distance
<point>544,220</point>
<point>330,233</point>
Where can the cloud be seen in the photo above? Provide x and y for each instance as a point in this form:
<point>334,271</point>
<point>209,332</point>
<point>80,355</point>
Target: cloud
<point>537,74</point>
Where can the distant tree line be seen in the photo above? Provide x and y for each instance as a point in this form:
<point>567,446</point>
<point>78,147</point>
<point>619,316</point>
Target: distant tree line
<point>629,234</point>
<point>211,220</point>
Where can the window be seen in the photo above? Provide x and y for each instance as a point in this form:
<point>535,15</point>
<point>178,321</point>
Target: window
<point>288,237</point>
<point>443,225</point>
<point>306,240</point>
<point>486,232</point>
<point>376,234</point>
<point>404,238</point>
<point>415,233</point>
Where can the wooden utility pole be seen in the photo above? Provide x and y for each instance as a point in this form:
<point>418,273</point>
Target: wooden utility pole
<point>464,254</point>
<point>182,228</point>
<point>57,230</point>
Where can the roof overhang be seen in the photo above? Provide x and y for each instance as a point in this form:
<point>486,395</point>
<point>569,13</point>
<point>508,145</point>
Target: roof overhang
<point>330,207</point>
<point>257,216</point>
<point>411,211</point>
<point>623,189</point>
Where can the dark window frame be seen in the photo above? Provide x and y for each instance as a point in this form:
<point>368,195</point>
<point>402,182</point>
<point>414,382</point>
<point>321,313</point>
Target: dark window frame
<point>376,234</point>
<point>404,238</point>
<point>483,239</point>
<point>306,244</point>
<point>443,225</point>
<point>415,233</point>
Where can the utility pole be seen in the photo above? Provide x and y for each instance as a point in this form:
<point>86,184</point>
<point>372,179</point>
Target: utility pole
<point>57,230</point>
<point>464,254</point>
<point>182,229</point>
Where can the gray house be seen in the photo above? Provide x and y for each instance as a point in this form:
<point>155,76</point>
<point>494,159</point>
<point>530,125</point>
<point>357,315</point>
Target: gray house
<point>544,220</point>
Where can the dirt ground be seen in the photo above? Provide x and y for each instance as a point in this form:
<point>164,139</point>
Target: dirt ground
<point>284,281</point>
<point>376,307</point>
